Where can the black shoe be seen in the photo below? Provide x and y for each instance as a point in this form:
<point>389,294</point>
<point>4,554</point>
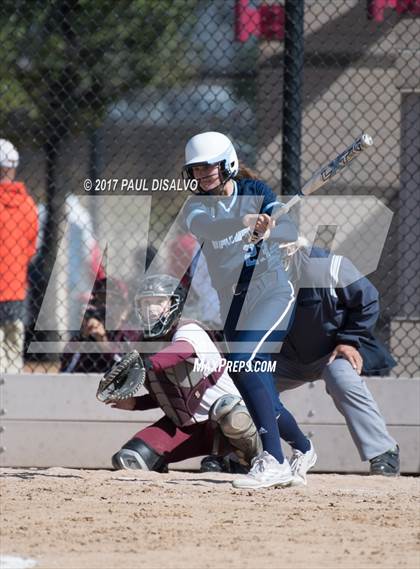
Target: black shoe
<point>386,464</point>
<point>237,468</point>
<point>212,463</point>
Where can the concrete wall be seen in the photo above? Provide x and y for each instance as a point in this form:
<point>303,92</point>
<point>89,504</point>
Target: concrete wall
<point>54,420</point>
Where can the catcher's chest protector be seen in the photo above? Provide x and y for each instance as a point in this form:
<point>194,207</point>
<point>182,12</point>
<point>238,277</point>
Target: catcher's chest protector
<point>179,390</point>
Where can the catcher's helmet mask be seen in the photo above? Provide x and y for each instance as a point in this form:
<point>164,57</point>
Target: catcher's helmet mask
<point>160,286</point>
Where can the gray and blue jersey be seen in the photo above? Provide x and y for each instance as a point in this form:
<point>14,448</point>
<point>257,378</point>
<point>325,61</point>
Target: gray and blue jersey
<point>257,315</point>
<point>216,221</point>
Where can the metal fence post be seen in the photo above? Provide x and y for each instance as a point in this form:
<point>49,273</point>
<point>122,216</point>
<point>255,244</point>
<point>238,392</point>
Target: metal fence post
<point>292,96</point>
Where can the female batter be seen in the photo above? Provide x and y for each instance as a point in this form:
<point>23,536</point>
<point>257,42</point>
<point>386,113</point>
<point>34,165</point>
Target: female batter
<point>255,295</point>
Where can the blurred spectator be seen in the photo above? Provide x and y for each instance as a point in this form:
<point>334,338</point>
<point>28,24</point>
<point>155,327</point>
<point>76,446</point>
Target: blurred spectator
<point>202,303</point>
<point>18,233</point>
<point>181,252</point>
<point>103,323</point>
<point>82,258</point>
<point>142,259</point>
<point>112,295</point>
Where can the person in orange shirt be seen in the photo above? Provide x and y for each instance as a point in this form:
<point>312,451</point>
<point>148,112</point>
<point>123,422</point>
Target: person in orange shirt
<point>18,234</point>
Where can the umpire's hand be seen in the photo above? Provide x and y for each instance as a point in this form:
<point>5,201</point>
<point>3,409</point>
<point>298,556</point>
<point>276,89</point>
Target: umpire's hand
<point>350,354</point>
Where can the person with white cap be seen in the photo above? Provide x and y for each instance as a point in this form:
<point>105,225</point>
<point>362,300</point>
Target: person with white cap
<point>18,234</point>
<point>230,216</point>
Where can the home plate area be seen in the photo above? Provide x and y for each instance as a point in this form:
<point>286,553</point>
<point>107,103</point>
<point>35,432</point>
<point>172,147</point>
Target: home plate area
<point>68,518</point>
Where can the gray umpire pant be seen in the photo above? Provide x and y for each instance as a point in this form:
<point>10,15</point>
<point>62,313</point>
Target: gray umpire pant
<point>351,397</point>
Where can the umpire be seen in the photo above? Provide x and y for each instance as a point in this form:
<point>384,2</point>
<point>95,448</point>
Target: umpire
<point>331,338</point>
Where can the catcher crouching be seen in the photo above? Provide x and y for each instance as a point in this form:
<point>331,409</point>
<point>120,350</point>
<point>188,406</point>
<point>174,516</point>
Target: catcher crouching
<point>203,412</point>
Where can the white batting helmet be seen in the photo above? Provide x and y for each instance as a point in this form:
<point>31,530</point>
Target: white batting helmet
<point>210,148</point>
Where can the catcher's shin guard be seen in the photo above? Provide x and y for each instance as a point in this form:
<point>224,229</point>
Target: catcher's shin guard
<point>234,420</point>
<point>137,455</point>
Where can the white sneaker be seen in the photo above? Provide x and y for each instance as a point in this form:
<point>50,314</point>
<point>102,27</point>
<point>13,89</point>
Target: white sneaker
<point>266,471</point>
<point>301,462</point>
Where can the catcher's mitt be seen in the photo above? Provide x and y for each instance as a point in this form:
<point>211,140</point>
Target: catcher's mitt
<point>123,380</point>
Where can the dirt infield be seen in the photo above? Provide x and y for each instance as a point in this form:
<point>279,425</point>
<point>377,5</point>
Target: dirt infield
<point>75,519</point>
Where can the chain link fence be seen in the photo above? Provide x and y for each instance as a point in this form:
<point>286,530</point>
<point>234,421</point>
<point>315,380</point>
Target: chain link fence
<point>107,94</point>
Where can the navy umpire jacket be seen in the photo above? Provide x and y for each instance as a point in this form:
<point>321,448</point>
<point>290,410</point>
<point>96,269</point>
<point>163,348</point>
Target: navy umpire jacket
<point>327,315</point>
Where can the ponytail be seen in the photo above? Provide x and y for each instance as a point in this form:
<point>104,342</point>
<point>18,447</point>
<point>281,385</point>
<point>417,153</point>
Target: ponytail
<point>246,173</point>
